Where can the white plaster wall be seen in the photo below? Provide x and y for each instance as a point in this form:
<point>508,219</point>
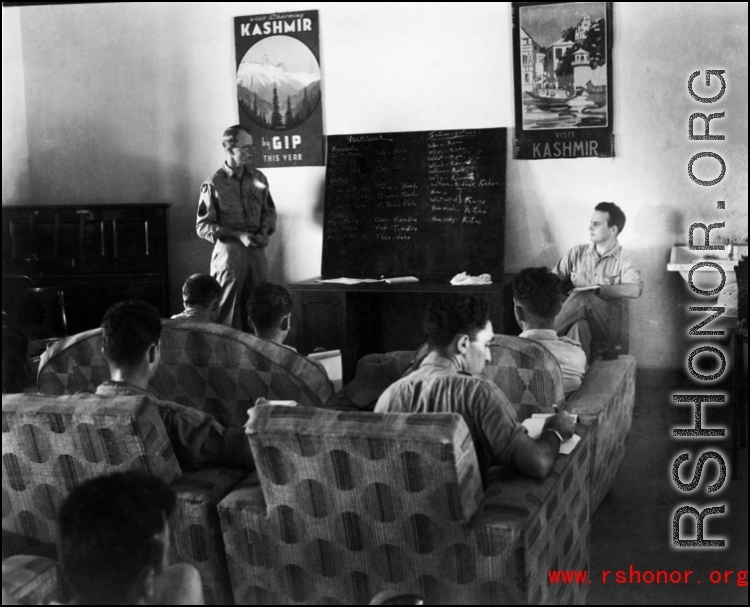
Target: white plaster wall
<point>126,103</point>
<point>15,146</point>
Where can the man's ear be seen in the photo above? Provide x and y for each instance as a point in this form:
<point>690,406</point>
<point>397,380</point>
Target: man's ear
<point>285,322</point>
<point>153,352</point>
<point>558,307</point>
<point>518,310</point>
<point>462,342</point>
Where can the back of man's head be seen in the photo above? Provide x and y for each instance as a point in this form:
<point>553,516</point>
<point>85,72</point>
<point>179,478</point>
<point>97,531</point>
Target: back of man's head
<point>267,306</point>
<point>538,290</point>
<point>451,315</point>
<point>107,530</point>
<point>201,290</point>
<point>128,330</point>
<point>616,215</point>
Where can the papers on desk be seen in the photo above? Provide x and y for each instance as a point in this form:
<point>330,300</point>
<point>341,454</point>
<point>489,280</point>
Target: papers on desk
<point>535,423</point>
<point>357,281</point>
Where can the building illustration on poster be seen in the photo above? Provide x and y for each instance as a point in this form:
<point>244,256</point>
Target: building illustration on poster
<point>563,72</point>
<point>279,87</point>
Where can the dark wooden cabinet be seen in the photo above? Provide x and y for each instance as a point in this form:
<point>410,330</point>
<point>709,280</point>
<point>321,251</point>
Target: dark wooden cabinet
<point>377,317</point>
<point>83,258</point>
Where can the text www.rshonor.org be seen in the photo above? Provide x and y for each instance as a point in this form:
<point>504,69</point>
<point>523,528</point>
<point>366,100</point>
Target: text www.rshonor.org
<point>635,576</point>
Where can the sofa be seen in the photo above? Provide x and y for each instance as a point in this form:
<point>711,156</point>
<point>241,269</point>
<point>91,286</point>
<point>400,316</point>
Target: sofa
<point>53,443</point>
<point>530,377</point>
<point>350,504</point>
<point>213,368</point>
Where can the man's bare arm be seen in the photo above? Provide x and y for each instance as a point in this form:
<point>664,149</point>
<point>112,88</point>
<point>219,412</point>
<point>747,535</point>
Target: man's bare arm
<point>535,458</point>
<point>630,290</point>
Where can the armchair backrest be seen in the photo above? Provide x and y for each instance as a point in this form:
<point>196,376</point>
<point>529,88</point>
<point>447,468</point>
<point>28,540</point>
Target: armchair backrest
<point>365,466</point>
<point>51,444</point>
<point>527,373</point>
<point>210,367</point>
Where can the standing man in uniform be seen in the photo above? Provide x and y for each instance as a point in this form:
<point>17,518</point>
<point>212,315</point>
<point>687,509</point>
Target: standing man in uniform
<point>237,214</point>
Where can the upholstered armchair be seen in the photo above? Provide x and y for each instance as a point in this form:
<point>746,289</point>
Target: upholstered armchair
<point>51,444</point>
<point>530,377</point>
<point>210,367</point>
<point>349,504</point>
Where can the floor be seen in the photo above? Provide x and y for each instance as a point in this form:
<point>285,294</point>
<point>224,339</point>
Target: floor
<point>633,527</point>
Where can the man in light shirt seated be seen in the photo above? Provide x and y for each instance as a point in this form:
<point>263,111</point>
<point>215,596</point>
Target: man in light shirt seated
<point>536,301</point>
<point>200,296</point>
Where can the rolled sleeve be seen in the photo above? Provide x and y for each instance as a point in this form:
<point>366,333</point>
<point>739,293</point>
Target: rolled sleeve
<point>562,268</point>
<point>207,213</point>
<point>199,440</point>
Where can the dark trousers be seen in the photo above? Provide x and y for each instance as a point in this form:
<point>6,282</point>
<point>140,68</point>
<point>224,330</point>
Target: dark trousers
<point>586,317</point>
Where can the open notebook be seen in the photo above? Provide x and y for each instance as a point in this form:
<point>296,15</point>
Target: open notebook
<point>331,360</point>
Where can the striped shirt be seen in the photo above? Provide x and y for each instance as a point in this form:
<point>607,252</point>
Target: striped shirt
<point>439,386</point>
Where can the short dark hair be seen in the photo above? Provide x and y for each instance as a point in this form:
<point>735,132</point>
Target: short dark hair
<point>128,330</point>
<point>539,290</point>
<point>615,215</point>
<point>106,529</point>
<point>17,373</point>
<point>229,138</point>
<point>451,315</point>
<point>267,305</point>
<point>201,290</point>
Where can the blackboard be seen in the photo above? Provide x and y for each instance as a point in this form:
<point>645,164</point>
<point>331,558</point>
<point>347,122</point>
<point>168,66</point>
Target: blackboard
<point>429,204</point>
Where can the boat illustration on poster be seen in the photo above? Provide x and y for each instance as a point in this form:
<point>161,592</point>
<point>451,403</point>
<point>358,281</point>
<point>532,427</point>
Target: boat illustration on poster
<point>564,75</point>
<point>562,66</point>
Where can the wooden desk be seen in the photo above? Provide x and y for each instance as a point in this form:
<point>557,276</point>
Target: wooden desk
<point>378,317</point>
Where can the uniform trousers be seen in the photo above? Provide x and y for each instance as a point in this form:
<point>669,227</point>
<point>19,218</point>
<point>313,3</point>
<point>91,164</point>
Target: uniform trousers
<point>238,269</point>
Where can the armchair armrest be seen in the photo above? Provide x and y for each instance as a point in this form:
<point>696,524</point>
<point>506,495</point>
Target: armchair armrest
<point>196,535</point>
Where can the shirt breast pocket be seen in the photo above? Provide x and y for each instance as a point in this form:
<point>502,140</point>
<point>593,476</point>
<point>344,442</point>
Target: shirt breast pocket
<point>579,279</point>
<point>613,279</point>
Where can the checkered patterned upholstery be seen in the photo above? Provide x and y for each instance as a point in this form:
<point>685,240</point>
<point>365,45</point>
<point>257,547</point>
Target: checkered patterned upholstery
<point>210,367</point>
<point>605,403</point>
<point>29,580</point>
<point>527,373</point>
<point>351,503</point>
<point>51,444</point>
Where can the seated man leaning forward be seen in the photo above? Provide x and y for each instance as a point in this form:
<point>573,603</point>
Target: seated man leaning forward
<point>269,311</point>
<point>536,302</point>
<point>113,541</point>
<point>131,332</point>
<point>459,333</point>
<point>200,296</point>
<point>602,264</point>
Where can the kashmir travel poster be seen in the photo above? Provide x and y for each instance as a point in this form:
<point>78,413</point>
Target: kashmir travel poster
<point>278,87</point>
<point>562,63</point>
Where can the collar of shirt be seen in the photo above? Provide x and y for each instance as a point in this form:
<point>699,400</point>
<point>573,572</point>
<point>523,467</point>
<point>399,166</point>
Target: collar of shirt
<point>113,388</point>
<point>438,361</point>
<point>236,172</point>
<point>613,252</point>
<point>543,334</point>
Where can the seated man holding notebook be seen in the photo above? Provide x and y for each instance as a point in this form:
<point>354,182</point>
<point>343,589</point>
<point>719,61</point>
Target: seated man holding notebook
<point>448,380</point>
<point>536,302</point>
